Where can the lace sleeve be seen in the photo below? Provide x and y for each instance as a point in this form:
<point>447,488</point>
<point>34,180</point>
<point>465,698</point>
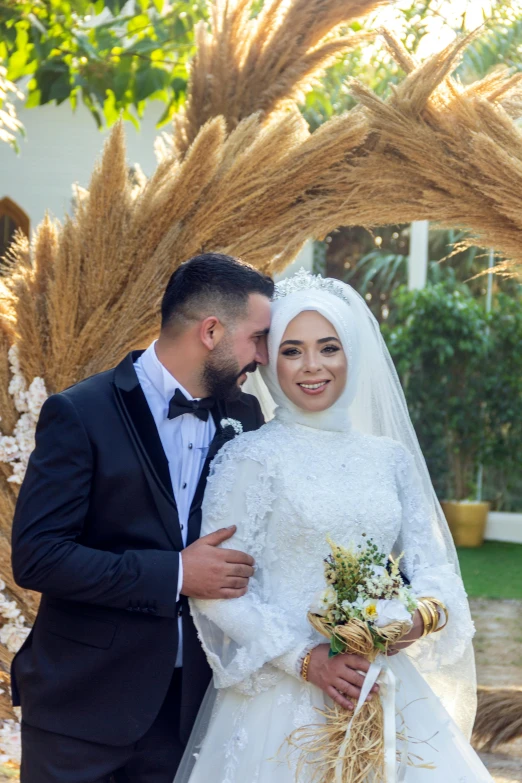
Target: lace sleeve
<point>240,636</point>
<point>427,564</point>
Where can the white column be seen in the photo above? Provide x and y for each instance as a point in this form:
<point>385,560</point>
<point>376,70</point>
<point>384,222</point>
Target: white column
<point>418,260</point>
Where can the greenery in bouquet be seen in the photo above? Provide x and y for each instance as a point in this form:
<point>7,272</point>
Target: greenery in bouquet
<point>366,605</point>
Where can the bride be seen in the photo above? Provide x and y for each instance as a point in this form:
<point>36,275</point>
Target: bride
<point>340,458</point>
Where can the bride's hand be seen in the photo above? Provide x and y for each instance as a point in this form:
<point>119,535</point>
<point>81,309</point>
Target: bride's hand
<point>408,639</point>
<point>340,676</point>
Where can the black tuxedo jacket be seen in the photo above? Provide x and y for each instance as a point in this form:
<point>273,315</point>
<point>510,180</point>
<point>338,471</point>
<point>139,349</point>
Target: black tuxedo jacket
<point>96,532</point>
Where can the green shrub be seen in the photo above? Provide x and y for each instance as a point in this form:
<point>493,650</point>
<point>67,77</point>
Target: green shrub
<point>461,370</point>
<point>503,380</point>
<point>439,345</point>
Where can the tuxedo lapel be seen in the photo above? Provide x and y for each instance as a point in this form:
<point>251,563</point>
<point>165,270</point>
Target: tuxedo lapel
<point>242,411</point>
<point>142,429</point>
<point>194,526</point>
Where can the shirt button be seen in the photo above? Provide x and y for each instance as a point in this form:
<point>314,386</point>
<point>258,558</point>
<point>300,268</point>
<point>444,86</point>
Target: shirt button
<point>183,527</point>
<point>191,445</point>
<point>184,485</point>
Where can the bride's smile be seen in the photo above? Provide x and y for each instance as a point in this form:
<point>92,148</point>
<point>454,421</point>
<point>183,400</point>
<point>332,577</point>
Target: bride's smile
<point>311,364</point>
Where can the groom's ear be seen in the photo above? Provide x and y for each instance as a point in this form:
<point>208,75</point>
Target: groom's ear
<point>211,332</point>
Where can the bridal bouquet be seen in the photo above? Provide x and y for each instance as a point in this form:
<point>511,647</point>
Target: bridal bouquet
<point>365,608</point>
<point>366,604</point>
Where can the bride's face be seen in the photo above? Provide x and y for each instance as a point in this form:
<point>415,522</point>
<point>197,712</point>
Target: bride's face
<point>312,366</point>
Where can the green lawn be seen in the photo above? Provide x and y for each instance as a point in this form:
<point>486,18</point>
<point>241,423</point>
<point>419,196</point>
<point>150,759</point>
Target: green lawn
<point>494,570</point>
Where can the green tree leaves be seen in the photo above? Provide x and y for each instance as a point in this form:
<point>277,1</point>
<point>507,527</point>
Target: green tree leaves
<point>114,57</point>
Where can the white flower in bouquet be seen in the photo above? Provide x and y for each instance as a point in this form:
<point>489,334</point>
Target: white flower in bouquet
<point>324,601</point>
<point>379,571</point>
<point>388,611</point>
<point>348,609</point>
<point>369,609</point>
<point>407,596</point>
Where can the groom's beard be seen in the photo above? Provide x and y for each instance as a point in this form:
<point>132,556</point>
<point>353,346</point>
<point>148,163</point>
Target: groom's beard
<point>221,375</point>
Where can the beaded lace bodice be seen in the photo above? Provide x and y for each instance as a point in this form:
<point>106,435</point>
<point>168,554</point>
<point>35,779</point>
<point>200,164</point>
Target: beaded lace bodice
<point>287,487</point>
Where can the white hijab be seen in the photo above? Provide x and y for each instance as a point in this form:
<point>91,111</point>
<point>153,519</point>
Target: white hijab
<point>336,311</point>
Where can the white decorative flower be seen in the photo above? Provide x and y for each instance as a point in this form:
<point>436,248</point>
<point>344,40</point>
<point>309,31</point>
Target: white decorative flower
<point>10,741</point>
<point>15,449</point>
<point>234,423</point>
<point>13,637</point>
<point>10,611</point>
<point>323,601</point>
<point>391,611</point>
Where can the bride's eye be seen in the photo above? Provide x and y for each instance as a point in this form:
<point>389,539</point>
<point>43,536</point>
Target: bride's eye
<point>330,349</point>
<point>290,352</point>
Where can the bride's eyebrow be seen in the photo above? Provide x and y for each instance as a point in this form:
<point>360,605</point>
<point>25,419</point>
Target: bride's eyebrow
<point>320,341</point>
<point>291,342</point>
<point>329,340</point>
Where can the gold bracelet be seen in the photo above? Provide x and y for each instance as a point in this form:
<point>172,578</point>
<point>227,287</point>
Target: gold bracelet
<point>426,617</point>
<point>439,605</point>
<point>306,664</point>
<point>431,606</point>
<point>434,614</point>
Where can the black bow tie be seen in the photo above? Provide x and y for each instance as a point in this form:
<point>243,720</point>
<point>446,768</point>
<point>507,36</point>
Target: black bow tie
<point>180,405</point>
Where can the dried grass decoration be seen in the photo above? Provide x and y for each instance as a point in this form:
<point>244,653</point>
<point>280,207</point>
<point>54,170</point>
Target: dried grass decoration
<point>365,609</point>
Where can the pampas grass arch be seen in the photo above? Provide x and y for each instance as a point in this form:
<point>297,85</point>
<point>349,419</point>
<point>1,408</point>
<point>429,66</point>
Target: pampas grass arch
<point>242,174</point>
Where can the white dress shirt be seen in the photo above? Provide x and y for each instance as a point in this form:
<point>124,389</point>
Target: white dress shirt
<point>185,441</point>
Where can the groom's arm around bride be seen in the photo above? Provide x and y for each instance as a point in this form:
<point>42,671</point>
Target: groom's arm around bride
<point>107,527</point>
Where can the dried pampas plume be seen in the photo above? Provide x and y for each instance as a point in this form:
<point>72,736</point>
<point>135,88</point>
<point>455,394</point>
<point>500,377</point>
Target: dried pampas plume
<point>499,717</point>
<point>247,64</point>
<point>245,176</point>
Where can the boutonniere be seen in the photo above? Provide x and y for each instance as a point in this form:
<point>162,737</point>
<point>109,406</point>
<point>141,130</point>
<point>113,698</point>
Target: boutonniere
<point>228,429</point>
<point>233,424</point>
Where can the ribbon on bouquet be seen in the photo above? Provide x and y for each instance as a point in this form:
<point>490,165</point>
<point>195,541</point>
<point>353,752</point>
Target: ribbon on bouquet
<point>380,672</point>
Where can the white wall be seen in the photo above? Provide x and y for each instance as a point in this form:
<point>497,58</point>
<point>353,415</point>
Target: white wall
<point>60,149</point>
<point>503,526</point>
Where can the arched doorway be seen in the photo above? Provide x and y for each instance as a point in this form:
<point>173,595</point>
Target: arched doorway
<point>12,217</point>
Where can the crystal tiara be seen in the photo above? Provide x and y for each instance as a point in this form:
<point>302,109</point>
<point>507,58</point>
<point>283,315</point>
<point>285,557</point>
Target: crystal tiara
<point>305,281</point>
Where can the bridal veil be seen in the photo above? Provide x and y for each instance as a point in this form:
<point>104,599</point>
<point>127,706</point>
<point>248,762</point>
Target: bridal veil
<point>372,403</point>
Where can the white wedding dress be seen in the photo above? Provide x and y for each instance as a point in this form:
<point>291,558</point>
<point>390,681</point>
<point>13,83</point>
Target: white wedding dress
<point>287,487</point>
<point>300,478</point>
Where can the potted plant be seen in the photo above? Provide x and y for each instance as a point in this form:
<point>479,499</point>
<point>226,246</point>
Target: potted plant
<point>439,341</point>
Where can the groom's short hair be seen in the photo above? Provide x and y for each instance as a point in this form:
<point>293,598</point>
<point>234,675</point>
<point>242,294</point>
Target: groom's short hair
<point>211,284</point>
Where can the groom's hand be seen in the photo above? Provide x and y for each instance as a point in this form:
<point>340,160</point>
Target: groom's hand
<point>209,572</point>
<point>340,677</point>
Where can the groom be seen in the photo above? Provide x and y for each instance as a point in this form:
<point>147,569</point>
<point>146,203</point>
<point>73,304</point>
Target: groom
<point>106,528</point>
